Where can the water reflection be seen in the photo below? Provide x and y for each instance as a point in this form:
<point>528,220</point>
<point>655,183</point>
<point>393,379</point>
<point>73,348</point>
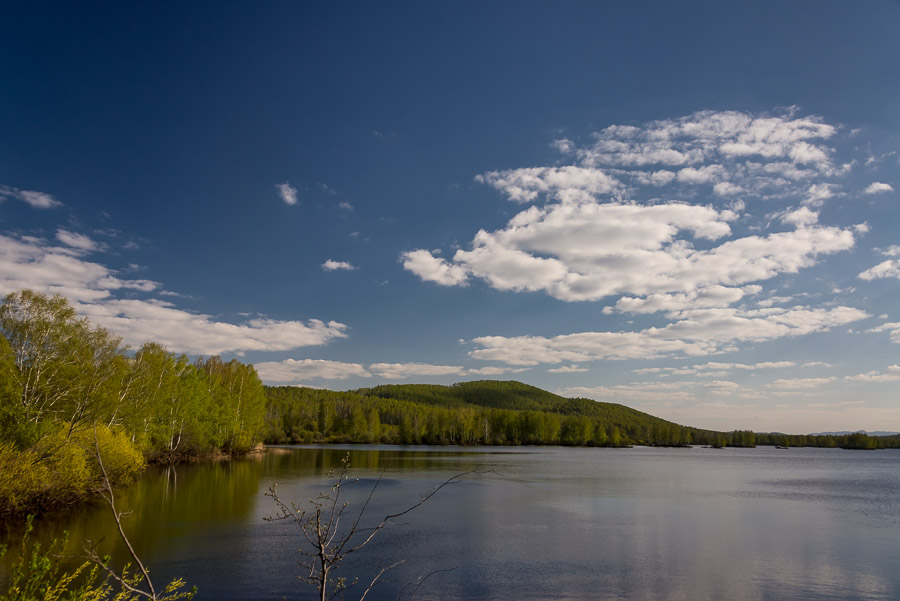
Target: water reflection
<point>544,523</point>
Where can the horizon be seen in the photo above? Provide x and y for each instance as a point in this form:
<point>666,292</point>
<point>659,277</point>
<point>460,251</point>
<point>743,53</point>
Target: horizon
<point>689,210</point>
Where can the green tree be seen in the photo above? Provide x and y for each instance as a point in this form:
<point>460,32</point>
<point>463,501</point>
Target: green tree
<point>66,370</point>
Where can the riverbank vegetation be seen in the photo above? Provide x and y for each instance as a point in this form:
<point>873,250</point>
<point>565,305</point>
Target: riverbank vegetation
<point>64,381</point>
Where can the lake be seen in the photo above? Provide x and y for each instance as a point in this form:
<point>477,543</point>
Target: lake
<point>533,523</point>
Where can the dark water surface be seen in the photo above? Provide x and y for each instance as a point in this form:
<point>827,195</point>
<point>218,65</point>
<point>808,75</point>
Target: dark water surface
<point>536,523</point>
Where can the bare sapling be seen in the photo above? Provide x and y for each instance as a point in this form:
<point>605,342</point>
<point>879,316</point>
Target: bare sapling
<point>332,532</point>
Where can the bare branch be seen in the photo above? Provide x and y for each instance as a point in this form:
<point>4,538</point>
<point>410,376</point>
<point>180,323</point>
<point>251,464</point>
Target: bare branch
<point>111,500</point>
<point>330,544</point>
<point>378,576</point>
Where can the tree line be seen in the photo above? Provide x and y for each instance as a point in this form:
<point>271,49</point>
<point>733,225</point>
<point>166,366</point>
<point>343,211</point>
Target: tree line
<point>493,412</point>
<point>471,413</point>
<point>67,387</point>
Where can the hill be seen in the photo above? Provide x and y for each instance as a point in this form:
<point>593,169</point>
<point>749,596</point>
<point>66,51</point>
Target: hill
<point>479,412</point>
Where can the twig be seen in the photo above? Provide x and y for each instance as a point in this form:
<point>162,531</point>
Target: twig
<point>111,500</point>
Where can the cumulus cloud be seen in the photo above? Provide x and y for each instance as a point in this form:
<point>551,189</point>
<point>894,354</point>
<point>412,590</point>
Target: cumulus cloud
<point>711,296</point>
<point>885,269</point>
<point>878,187</point>
<point>434,269</point>
<point>714,137</point>
<point>818,194</point>
<point>139,321</point>
<point>694,332</point>
<point>800,217</point>
<point>29,262</point>
<point>332,265</point>
<point>291,371</point>
<point>287,193</point>
<point>588,251</point>
<point>586,238</point>
<point>38,200</point>
<point>568,183</point>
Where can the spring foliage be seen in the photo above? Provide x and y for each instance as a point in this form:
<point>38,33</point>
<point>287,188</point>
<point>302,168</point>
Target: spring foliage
<point>62,378</point>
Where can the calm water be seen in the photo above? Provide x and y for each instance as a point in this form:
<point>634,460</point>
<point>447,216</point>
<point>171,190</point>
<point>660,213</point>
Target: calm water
<point>538,523</point>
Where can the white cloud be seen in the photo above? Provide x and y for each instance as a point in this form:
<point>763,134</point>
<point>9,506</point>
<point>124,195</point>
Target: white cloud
<point>332,265</point>
<point>292,371</point>
<point>630,392</point>
<point>707,135</point>
<point>76,240</point>
<point>801,217</point>
<point>402,371</point>
<point>38,200</point>
<point>588,251</point>
<point>568,369</point>
<point>696,332</point>
<point>563,146</point>
<point>287,193</point>
<point>892,327</point>
<point>721,387</point>
<point>584,241</point>
<point>891,375</point>
<point>434,269</point>
<point>560,183</point>
<point>818,194</point>
<point>885,269</point>
<point>727,189</point>
<point>495,371</point>
<point>802,383</point>
<point>28,262</point>
<point>712,296</point>
<point>139,321</point>
<point>878,187</point>
<point>710,367</point>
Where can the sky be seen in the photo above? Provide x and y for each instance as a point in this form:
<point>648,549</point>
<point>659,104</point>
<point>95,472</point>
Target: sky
<point>688,208</point>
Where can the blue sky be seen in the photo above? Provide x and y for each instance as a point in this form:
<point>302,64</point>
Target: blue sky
<point>689,208</point>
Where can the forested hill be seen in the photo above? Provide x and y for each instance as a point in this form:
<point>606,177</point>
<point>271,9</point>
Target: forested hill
<point>480,412</point>
<point>496,413</point>
<point>516,396</point>
<point>485,393</point>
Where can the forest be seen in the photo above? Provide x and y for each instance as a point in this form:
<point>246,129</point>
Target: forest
<point>492,412</point>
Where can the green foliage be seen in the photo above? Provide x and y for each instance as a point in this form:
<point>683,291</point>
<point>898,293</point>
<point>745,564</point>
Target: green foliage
<point>62,380</point>
<point>38,575</point>
<point>240,402</point>
<point>64,370</point>
<point>61,469</point>
<point>855,441</point>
